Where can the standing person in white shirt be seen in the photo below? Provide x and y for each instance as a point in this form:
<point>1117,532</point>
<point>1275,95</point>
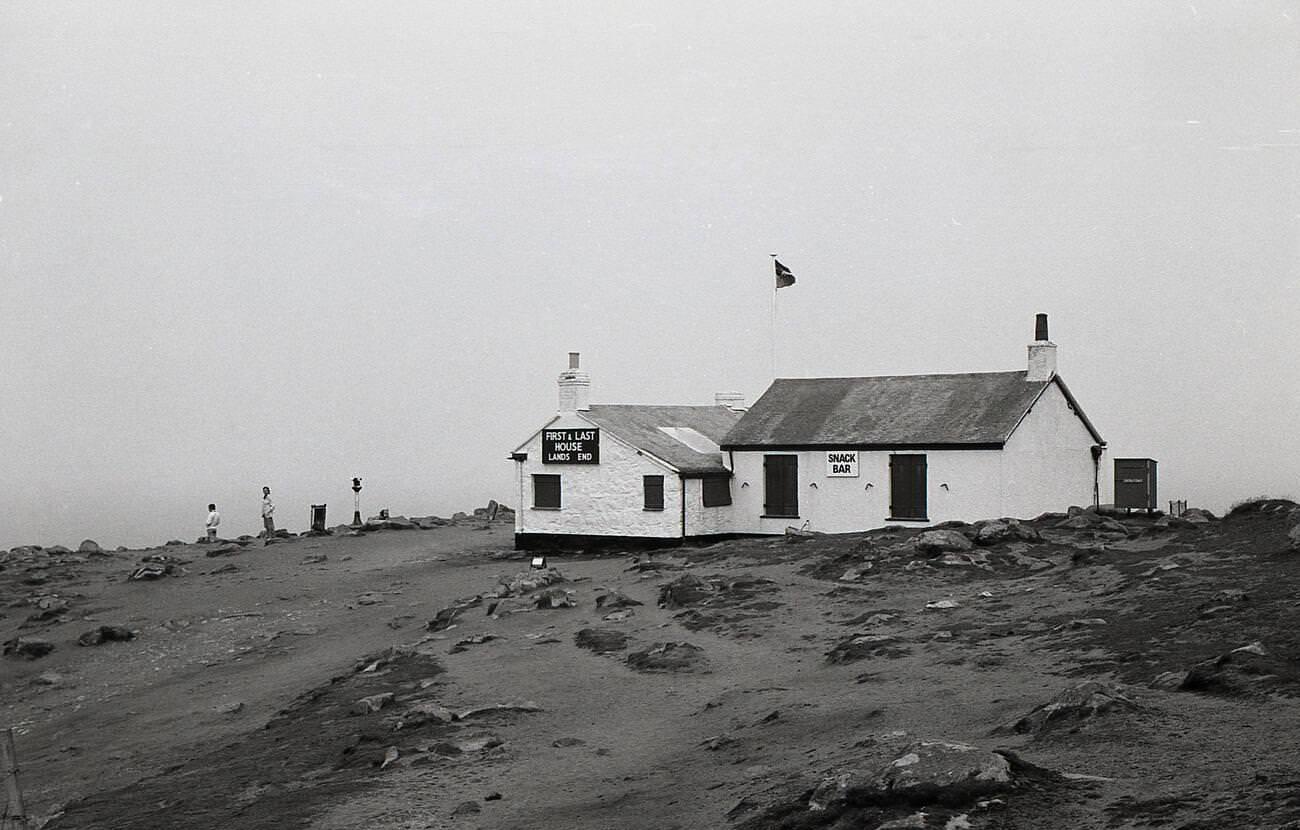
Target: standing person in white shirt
<point>214,519</point>
<point>268,513</point>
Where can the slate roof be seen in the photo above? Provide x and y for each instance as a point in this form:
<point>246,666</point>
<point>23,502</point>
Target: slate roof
<point>900,411</point>
<point>639,426</point>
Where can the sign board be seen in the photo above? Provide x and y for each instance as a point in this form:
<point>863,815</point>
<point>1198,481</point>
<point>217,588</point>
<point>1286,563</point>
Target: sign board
<point>571,446</point>
<point>842,464</point>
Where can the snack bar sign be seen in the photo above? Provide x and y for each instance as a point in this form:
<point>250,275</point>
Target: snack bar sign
<point>571,446</point>
<point>842,464</point>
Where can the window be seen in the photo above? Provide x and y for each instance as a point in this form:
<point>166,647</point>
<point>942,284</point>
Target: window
<point>781,486</point>
<point>546,492</point>
<point>717,492</point>
<point>907,487</point>
<point>654,492</point>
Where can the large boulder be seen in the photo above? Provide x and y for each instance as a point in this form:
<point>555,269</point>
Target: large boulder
<point>926,771</point>
<point>90,546</point>
<point>942,541</point>
<point>1293,539</point>
<point>1005,530</point>
<point>1080,702</point>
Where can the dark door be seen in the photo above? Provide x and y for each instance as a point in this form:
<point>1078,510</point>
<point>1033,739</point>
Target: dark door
<point>907,487</point>
<point>781,486</point>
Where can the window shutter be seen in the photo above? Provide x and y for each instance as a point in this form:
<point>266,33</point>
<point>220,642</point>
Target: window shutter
<point>717,491</point>
<point>654,492</point>
<point>546,491</point>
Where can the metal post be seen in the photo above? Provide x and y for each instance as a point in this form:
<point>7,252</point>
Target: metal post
<point>356,502</point>
<point>16,814</point>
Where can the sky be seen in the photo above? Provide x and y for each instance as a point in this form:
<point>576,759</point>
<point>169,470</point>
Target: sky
<point>289,243</point>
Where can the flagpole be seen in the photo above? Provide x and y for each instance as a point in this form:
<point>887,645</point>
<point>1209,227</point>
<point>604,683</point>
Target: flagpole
<point>772,329</point>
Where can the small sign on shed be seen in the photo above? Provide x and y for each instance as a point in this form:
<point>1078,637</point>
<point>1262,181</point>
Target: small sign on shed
<point>842,464</point>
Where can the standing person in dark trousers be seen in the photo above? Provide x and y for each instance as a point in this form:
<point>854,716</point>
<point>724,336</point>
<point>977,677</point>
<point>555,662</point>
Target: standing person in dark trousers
<point>214,519</point>
<point>268,514</point>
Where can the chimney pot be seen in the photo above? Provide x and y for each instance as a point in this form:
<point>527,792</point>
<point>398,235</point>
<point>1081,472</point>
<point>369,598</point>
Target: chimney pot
<point>1042,353</point>
<point>575,387</point>
<point>1040,327</point>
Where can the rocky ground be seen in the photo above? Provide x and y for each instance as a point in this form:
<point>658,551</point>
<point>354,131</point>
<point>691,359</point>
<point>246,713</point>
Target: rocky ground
<point>1076,671</point>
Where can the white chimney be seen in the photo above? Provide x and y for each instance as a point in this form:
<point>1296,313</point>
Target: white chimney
<point>1042,353</point>
<point>575,387</point>
<point>731,400</point>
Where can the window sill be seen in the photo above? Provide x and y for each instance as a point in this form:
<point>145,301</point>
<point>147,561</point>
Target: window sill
<point>908,519</point>
<point>652,510</point>
<point>779,516</point>
<point>535,507</point>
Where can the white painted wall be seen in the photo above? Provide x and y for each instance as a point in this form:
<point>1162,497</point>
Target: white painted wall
<point>705,521</point>
<point>605,499</point>
<point>1046,465</point>
<point>842,505</point>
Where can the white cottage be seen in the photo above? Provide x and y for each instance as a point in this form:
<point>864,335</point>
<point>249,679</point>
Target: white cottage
<point>598,473</point>
<point>827,454</point>
<point>845,454</point>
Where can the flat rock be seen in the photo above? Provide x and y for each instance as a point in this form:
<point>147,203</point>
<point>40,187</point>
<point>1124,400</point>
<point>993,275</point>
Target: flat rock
<point>926,771</point>
<point>614,600</point>
<point>668,657</point>
<point>418,714</point>
<point>226,549</point>
<point>106,634</point>
<point>27,649</point>
<point>1248,670</point>
<point>373,703</point>
<point>863,646</point>
<point>1077,703</point>
<point>684,591</point>
<point>555,598</point>
<point>525,582</point>
<point>524,706</point>
<point>476,640</point>
<point>600,640</point>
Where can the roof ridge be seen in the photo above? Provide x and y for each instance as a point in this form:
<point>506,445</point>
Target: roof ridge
<point>917,375</point>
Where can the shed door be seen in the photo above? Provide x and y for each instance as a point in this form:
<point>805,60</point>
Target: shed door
<point>907,487</point>
<point>781,486</point>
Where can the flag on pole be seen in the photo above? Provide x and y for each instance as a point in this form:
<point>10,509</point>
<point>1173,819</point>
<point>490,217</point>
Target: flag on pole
<point>783,275</point>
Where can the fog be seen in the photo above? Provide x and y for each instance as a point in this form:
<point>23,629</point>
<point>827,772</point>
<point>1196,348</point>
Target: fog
<point>286,244</point>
